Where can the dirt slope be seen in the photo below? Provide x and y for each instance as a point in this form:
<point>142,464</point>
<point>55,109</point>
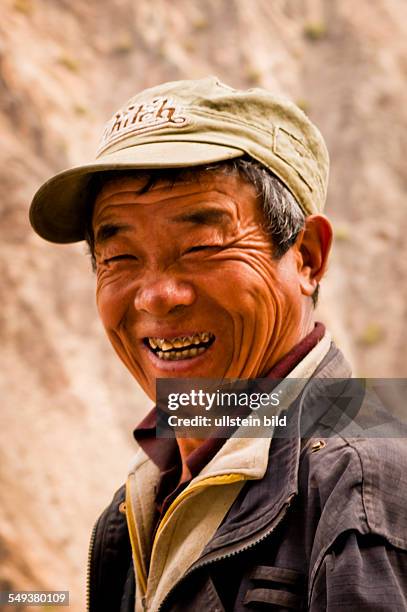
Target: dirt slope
<point>67,404</point>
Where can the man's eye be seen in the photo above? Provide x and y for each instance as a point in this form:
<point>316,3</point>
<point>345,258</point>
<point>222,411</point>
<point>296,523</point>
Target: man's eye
<point>123,257</point>
<point>201,247</point>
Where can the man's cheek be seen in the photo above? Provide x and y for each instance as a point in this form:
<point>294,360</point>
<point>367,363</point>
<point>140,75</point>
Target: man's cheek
<point>129,355</point>
<point>111,304</point>
<point>251,291</point>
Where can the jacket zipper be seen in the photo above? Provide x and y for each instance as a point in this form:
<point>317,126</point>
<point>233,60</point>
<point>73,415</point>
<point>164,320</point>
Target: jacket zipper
<point>214,481</point>
<point>232,553</point>
<point>88,571</point>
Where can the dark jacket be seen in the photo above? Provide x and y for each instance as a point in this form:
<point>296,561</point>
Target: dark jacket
<point>325,529</point>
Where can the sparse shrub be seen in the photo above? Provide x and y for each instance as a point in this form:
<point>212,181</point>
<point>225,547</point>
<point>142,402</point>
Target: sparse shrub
<point>315,30</point>
<point>341,233</point>
<point>161,51</point>
<point>189,45</point>
<point>69,63</point>
<point>200,23</point>
<point>372,334</point>
<point>80,110</point>
<point>303,104</point>
<point>253,75</point>
<point>123,45</point>
<point>23,6</point>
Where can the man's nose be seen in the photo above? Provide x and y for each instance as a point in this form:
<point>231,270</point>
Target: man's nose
<point>164,295</point>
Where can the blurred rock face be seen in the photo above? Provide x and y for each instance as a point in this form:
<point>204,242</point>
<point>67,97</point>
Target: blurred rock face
<point>68,406</point>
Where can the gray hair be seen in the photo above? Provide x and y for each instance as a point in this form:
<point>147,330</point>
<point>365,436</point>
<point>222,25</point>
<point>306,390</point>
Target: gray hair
<point>283,216</point>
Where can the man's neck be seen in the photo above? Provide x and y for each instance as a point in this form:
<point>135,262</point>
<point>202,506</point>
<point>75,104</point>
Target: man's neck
<point>279,370</point>
<point>186,447</point>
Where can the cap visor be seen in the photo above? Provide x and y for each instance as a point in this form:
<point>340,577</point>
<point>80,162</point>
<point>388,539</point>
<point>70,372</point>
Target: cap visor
<point>59,208</point>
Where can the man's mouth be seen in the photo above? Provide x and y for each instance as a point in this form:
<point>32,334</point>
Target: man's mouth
<point>181,347</point>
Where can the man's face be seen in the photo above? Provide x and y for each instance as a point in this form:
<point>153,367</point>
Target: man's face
<point>186,281</point>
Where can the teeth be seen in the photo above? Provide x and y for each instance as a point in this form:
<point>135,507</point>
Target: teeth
<point>177,356</point>
<point>168,345</point>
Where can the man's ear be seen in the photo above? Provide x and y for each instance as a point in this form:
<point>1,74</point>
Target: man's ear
<point>313,244</point>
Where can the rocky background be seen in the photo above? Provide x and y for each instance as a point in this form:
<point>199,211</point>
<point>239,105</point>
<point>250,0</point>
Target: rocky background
<point>67,404</point>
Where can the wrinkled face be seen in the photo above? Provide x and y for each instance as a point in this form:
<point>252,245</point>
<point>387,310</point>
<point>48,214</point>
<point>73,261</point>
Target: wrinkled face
<point>186,282</point>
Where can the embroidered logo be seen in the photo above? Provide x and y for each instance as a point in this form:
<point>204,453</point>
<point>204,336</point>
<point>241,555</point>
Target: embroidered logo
<point>141,118</point>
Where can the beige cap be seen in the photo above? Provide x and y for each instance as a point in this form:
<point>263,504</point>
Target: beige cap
<point>190,123</point>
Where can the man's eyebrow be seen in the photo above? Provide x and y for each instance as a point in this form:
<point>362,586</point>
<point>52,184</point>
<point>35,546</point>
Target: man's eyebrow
<point>203,216</point>
<point>108,230</point>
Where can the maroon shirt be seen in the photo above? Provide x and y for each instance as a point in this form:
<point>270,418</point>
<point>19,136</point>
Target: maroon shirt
<point>165,452</point>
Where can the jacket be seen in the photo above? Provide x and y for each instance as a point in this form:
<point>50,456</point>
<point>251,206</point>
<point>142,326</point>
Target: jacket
<point>324,527</point>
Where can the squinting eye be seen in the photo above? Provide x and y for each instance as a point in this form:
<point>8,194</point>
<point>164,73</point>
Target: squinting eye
<point>194,249</point>
<point>119,258</point>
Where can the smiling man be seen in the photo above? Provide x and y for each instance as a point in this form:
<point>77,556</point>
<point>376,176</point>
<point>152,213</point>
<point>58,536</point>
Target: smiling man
<point>203,215</point>
<point>202,294</point>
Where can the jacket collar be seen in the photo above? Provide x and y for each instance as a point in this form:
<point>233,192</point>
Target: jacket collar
<point>249,456</point>
<point>275,480</point>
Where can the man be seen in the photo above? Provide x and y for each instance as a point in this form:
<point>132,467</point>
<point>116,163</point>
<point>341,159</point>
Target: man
<point>203,217</point>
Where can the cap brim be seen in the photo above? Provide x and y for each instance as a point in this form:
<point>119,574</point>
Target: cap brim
<point>58,209</point>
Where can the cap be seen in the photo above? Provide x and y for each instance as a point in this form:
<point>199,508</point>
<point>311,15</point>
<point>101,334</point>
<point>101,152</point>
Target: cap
<point>184,124</point>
